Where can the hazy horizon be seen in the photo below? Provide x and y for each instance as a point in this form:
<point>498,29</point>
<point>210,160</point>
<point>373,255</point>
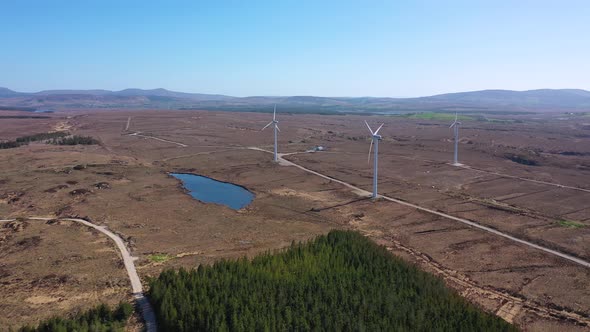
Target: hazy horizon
<point>343,48</point>
<point>286,95</point>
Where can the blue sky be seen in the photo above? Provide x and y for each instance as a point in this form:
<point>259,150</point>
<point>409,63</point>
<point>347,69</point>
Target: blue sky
<point>328,48</point>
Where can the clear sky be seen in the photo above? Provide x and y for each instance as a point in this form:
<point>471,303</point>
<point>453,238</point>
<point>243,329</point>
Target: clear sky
<point>327,48</point>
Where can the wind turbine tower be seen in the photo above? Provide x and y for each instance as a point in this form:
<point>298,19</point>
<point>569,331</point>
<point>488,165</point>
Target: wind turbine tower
<point>455,127</point>
<point>274,122</point>
<point>375,138</point>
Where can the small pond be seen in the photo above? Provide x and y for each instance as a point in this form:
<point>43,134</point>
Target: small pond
<point>208,190</point>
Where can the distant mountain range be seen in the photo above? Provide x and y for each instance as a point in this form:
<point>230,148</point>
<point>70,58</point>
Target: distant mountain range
<point>544,100</point>
<point>6,93</point>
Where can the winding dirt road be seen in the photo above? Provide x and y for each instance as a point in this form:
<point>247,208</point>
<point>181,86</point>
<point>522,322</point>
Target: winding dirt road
<point>363,192</point>
<point>143,304</point>
<point>128,124</point>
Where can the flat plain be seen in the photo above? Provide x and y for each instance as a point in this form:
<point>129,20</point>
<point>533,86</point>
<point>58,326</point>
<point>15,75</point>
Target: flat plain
<point>524,175</point>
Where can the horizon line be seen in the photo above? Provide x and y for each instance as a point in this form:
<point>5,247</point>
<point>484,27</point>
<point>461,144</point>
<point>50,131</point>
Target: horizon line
<point>293,95</point>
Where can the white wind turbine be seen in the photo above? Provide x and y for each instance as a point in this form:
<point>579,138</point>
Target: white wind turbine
<point>375,138</point>
<point>455,126</point>
<point>276,129</point>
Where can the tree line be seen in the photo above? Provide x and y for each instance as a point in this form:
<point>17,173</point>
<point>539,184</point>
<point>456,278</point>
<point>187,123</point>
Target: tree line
<point>41,137</point>
<point>338,282</point>
<point>57,138</point>
<point>99,319</point>
<point>75,140</point>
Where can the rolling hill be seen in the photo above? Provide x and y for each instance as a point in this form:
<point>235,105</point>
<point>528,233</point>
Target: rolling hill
<point>543,100</point>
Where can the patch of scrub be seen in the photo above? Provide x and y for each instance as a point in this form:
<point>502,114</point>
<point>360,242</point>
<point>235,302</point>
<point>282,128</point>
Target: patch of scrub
<point>303,194</point>
<point>208,190</point>
<point>159,258</point>
<point>570,224</point>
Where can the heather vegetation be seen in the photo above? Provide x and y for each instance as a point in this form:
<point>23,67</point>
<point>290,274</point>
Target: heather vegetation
<point>338,282</point>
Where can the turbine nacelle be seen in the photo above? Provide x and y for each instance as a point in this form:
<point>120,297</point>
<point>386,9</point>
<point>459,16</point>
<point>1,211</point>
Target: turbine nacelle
<point>374,137</point>
<point>374,133</point>
<point>456,123</point>
<point>274,121</point>
<point>275,124</point>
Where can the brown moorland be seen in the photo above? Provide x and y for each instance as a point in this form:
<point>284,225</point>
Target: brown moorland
<point>545,203</point>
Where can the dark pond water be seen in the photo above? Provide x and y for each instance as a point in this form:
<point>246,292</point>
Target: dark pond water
<point>208,190</point>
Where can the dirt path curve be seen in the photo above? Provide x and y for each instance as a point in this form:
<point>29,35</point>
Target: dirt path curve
<point>142,302</point>
<point>362,192</point>
<point>138,134</point>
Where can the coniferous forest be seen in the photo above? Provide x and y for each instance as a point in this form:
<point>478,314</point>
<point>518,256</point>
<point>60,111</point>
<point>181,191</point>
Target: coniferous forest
<point>75,140</point>
<point>57,138</point>
<point>338,282</point>
<point>99,319</point>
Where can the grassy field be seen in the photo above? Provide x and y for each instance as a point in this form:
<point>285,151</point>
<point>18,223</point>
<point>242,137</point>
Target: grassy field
<point>450,117</point>
<point>437,116</point>
<point>159,258</point>
<point>570,224</point>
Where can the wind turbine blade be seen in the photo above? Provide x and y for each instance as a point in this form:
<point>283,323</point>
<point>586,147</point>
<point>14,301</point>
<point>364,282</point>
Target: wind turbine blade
<point>266,126</point>
<point>456,115</point>
<point>370,148</point>
<point>453,124</point>
<point>274,113</point>
<point>277,126</point>
<point>381,126</point>
<point>369,128</point>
